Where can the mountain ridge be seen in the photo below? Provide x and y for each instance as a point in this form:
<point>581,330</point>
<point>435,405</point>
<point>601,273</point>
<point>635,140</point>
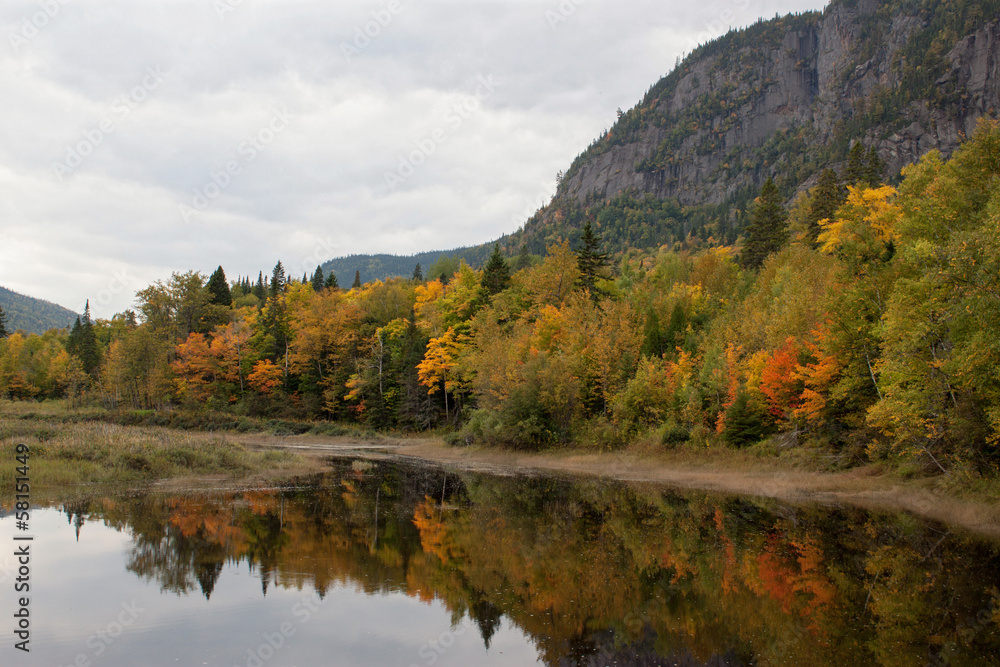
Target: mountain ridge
<point>33,315</point>
<point>783,98</point>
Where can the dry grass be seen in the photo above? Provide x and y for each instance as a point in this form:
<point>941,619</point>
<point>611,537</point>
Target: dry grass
<point>64,453</point>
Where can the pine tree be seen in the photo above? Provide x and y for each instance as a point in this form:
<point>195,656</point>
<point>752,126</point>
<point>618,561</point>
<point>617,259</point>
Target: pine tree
<point>331,281</point>
<point>317,279</point>
<point>523,258</point>
<point>277,279</point>
<point>827,197</point>
<point>590,261</point>
<point>3,325</point>
<point>874,170</point>
<point>496,275</point>
<point>357,280</point>
<point>218,289</point>
<point>418,273</point>
<point>856,164</point>
<point>260,289</point>
<point>82,342</point>
<point>768,228</point>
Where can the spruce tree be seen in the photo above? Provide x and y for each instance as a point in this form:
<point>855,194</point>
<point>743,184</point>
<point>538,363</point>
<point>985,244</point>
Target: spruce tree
<point>523,260</point>
<point>331,281</point>
<point>357,280</point>
<point>260,289</point>
<point>496,275</point>
<point>218,289</point>
<point>590,261</point>
<point>317,279</point>
<point>874,170</point>
<point>82,342</point>
<point>418,273</point>
<point>768,228</point>
<point>827,197</point>
<point>3,325</point>
<point>857,162</point>
<point>277,279</point>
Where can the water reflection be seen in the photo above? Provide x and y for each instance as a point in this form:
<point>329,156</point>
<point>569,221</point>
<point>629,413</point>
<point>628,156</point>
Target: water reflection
<point>595,573</point>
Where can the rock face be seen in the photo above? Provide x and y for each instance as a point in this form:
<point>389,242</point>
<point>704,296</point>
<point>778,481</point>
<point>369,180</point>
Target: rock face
<point>787,97</point>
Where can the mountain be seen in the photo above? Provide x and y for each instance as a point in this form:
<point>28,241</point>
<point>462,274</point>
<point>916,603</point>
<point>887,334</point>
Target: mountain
<point>784,98</point>
<point>379,267</point>
<point>33,315</point>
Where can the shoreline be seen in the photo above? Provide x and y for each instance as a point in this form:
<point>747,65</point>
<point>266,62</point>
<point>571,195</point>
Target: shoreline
<point>865,487</point>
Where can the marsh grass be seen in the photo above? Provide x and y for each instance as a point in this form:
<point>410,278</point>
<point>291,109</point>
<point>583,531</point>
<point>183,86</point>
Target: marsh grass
<point>68,452</point>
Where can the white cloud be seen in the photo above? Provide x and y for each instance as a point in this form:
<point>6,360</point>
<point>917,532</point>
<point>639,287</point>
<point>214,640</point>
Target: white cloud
<point>316,188</point>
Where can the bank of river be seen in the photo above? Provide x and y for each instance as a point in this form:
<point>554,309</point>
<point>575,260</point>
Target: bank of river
<point>725,472</point>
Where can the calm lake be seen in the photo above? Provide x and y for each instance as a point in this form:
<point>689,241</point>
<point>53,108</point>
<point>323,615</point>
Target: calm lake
<point>382,563</point>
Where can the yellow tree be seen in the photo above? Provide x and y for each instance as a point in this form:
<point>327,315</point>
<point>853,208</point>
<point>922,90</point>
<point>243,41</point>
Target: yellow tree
<point>438,370</point>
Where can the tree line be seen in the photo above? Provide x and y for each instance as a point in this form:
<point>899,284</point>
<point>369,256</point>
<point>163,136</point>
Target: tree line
<point>861,318</point>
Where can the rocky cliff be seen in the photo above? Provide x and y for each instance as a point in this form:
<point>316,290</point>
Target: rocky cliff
<point>787,97</point>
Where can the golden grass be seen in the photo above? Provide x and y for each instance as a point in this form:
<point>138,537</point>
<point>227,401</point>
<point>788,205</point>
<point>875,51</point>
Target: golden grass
<point>65,453</point>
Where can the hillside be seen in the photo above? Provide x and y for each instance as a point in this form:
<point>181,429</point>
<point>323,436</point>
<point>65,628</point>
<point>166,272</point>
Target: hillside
<point>33,315</point>
<point>784,98</point>
<point>378,267</point>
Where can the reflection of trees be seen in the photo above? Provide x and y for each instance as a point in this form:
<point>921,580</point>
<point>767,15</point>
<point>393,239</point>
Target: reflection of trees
<point>595,572</point>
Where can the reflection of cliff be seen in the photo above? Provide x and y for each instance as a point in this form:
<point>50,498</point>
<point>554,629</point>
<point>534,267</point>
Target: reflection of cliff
<point>596,573</point>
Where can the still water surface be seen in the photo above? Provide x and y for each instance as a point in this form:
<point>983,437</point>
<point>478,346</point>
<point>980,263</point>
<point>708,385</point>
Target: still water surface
<point>380,563</point>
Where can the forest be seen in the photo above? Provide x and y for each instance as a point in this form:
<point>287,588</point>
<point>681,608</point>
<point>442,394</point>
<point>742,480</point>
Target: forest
<point>860,320</point>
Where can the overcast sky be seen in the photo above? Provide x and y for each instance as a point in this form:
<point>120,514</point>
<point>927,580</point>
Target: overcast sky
<point>140,138</point>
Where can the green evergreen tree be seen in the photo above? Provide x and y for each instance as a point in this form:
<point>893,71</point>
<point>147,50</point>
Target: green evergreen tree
<point>590,261</point>
<point>260,289</point>
<point>357,280</point>
<point>82,342</point>
<point>218,289</point>
<point>3,325</point>
<point>827,198</point>
<point>496,275</point>
<point>768,228</point>
<point>418,273</point>
<point>277,279</point>
<point>331,281</point>
<point>857,162</point>
<point>317,279</point>
<point>523,260</point>
<point>874,170</point>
